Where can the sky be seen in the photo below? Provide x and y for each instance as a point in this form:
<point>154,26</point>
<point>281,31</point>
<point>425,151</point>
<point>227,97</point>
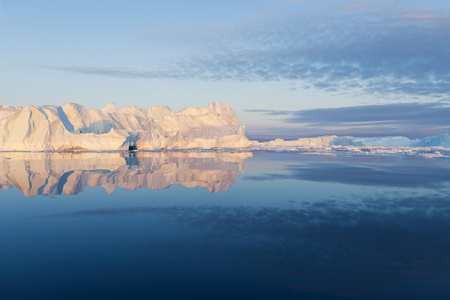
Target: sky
<point>289,68</point>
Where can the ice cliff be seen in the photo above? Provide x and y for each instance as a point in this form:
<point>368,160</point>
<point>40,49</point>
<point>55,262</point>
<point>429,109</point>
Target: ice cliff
<point>73,127</point>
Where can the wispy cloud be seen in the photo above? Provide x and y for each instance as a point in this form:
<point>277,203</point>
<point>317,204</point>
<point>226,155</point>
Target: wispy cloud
<point>118,72</point>
<point>409,119</point>
<point>363,46</point>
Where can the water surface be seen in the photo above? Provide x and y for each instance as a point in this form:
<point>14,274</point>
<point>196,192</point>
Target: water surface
<point>223,225</point>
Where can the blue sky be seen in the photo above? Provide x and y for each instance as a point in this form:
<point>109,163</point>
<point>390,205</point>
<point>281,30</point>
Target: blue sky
<point>290,68</point>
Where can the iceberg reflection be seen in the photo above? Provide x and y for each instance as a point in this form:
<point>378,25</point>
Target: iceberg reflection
<point>69,173</point>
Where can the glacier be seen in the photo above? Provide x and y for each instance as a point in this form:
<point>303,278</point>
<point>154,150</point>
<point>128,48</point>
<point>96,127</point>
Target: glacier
<point>71,127</point>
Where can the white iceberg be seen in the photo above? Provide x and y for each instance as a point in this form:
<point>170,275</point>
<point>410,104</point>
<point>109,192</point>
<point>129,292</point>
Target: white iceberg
<point>72,127</point>
<point>441,140</point>
<point>383,141</point>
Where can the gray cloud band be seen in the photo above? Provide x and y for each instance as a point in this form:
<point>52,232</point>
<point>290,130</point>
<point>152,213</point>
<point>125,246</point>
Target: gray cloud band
<point>410,119</point>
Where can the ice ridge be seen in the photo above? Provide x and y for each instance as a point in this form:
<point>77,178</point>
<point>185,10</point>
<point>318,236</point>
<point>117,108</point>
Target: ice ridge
<point>72,127</point>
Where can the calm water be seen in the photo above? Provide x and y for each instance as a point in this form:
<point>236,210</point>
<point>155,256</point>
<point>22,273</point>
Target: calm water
<point>208,225</point>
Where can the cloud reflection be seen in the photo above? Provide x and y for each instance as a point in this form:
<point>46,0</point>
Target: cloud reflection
<point>348,248</point>
<point>381,171</point>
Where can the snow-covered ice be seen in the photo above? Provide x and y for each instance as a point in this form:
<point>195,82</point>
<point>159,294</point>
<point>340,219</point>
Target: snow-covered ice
<point>72,127</point>
<point>430,147</point>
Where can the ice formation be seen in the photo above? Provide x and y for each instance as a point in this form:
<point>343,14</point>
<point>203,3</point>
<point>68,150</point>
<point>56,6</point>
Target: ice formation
<point>442,140</point>
<point>431,147</point>
<point>72,127</point>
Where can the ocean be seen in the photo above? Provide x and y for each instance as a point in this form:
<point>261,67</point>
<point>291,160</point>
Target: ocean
<point>223,225</point>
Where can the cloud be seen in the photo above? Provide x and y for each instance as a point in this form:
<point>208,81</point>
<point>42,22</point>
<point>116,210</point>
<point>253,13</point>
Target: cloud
<point>365,46</point>
<point>118,72</point>
<point>409,119</point>
<point>365,5</point>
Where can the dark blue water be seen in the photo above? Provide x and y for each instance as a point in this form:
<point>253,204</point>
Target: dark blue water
<point>223,226</point>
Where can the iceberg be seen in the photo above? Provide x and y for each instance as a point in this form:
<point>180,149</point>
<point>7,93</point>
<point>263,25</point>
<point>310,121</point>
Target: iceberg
<point>301,142</point>
<point>429,147</point>
<point>71,127</point>
<point>441,140</point>
<point>384,141</point>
